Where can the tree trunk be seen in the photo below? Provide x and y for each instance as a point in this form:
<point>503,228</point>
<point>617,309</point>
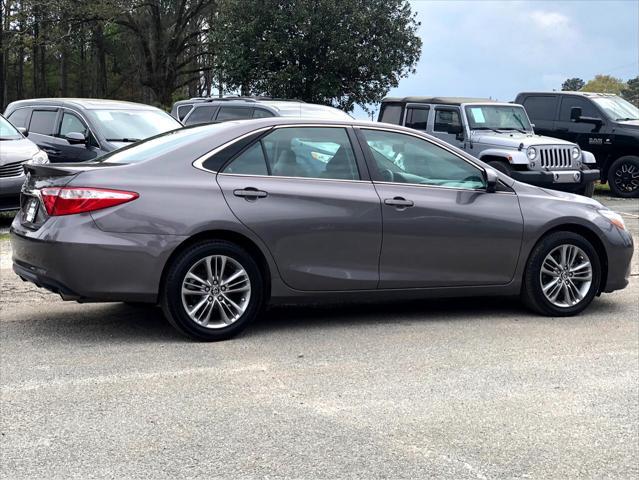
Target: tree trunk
<point>64,71</point>
<point>3,70</point>
<point>100,58</point>
<point>82,73</point>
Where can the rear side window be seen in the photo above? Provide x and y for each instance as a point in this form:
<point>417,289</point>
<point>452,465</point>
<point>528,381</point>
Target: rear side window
<point>568,102</point>
<point>541,107</point>
<point>20,117</point>
<point>233,113</point>
<point>43,122</point>
<point>417,118</point>
<point>203,114</point>
<point>250,162</point>
<point>262,113</point>
<point>391,114</point>
<point>183,110</point>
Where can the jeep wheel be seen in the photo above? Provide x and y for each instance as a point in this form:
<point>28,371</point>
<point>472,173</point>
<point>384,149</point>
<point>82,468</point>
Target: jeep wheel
<point>501,166</point>
<point>623,177</point>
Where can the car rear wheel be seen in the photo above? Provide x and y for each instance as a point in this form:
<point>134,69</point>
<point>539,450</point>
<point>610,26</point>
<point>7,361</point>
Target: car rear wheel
<point>623,177</point>
<point>212,291</point>
<point>562,276</point>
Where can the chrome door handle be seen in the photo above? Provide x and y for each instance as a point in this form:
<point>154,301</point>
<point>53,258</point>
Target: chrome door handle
<point>399,202</point>
<point>250,193</point>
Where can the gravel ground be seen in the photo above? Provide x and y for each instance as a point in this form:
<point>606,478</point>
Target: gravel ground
<point>448,389</point>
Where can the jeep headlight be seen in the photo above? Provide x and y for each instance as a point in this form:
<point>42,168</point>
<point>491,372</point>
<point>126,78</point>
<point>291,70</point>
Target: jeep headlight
<point>576,153</point>
<point>39,158</point>
<point>531,153</point>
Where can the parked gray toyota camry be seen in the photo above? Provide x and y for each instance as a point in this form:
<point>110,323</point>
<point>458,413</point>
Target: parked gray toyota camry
<point>215,221</point>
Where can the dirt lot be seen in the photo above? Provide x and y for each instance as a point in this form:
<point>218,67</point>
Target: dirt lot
<point>446,389</point>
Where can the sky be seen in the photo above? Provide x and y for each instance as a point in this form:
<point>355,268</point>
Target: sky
<point>499,48</point>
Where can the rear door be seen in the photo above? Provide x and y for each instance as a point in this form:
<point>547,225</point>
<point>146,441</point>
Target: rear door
<point>230,112</point>
<point>417,116</point>
<point>305,192</point>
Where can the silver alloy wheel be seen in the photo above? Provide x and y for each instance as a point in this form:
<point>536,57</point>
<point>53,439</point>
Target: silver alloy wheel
<point>566,275</point>
<point>216,291</point>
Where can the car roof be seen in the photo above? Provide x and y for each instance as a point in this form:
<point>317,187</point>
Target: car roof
<point>438,100</point>
<point>570,92</point>
<point>290,108</point>
<point>84,103</point>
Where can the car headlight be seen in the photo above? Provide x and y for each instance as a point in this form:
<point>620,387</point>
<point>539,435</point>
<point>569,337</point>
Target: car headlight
<point>576,153</point>
<point>614,217</point>
<point>39,158</point>
<point>532,153</point>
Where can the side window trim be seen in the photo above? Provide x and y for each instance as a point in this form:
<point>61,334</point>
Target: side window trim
<point>56,122</point>
<point>374,171</point>
<point>93,139</point>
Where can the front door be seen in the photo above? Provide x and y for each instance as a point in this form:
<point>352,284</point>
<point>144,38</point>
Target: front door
<point>300,190</point>
<point>441,227</point>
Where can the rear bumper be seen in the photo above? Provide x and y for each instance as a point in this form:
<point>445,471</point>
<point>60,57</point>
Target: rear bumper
<point>558,179</point>
<point>72,257</point>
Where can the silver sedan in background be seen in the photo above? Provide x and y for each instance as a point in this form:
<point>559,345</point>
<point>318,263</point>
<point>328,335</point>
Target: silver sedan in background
<point>213,222</point>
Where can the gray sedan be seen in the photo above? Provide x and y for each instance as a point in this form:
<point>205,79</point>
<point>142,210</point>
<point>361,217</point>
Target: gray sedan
<point>214,222</point>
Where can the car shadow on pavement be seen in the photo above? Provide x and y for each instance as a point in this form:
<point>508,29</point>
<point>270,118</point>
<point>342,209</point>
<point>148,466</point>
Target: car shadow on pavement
<point>118,322</point>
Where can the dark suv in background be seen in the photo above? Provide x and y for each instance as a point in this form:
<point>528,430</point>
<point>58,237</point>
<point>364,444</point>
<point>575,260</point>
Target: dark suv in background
<point>604,124</point>
<point>215,110</point>
<point>78,130</point>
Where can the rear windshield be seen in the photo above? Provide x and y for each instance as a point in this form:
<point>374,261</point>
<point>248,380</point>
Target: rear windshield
<point>162,144</point>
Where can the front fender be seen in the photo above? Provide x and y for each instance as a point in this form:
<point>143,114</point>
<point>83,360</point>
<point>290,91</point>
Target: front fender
<point>515,157</point>
<point>587,157</point>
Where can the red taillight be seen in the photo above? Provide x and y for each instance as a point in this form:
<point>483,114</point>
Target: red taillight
<point>70,200</point>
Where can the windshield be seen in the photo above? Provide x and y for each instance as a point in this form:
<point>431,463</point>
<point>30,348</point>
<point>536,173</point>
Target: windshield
<point>162,144</point>
<point>617,108</point>
<point>498,117</point>
<point>132,125</point>
<point>8,131</point>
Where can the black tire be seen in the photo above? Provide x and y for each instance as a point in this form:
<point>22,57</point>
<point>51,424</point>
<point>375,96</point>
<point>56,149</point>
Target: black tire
<point>623,183</point>
<point>171,296</point>
<point>588,190</point>
<point>501,166</point>
<point>532,294</point>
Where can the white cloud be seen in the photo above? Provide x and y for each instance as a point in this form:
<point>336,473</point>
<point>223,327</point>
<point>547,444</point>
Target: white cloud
<point>549,20</point>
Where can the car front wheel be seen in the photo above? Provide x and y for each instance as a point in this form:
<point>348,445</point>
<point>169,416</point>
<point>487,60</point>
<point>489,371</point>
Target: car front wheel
<point>623,177</point>
<point>212,291</point>
<point>562,275</point>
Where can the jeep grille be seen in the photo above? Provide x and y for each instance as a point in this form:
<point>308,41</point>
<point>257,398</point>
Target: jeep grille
<point>555,157</point>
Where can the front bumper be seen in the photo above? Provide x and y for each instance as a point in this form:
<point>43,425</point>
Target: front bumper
<point>70,256</point>
<point>10,192</point>
<point>568,179</point>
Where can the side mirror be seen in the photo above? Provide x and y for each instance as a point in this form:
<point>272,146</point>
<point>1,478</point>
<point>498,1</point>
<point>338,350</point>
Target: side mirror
<point>575,114</point>
<point>491,180</point>
<point>75,138</point>
<point>23,131</point>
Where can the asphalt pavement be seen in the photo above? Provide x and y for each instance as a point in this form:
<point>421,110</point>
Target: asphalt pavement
<point>455,389</point>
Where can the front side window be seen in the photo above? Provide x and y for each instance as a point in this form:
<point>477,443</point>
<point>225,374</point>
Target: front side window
<point>43,122</point>
<point>497,117</point>
<point>401,158</point>
<point>71,123</point>
<point>568,103</point>
<point>417,118</point>
<point>309,152</point>
<point>132,125</point>
<point>183,110</point>
<point>447,120</point>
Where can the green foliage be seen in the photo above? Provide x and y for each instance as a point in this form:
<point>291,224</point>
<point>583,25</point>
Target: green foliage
<point>573,84</point>
<point>631,91</point>
<point>604,84</point>
<point>338,52</point>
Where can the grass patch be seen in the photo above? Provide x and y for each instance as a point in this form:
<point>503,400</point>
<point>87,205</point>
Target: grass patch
<point>4,236</point>
<point>601,187</point>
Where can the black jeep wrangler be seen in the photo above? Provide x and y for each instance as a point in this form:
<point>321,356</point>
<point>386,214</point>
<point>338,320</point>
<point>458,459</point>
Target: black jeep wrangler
<point>602,123</point>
